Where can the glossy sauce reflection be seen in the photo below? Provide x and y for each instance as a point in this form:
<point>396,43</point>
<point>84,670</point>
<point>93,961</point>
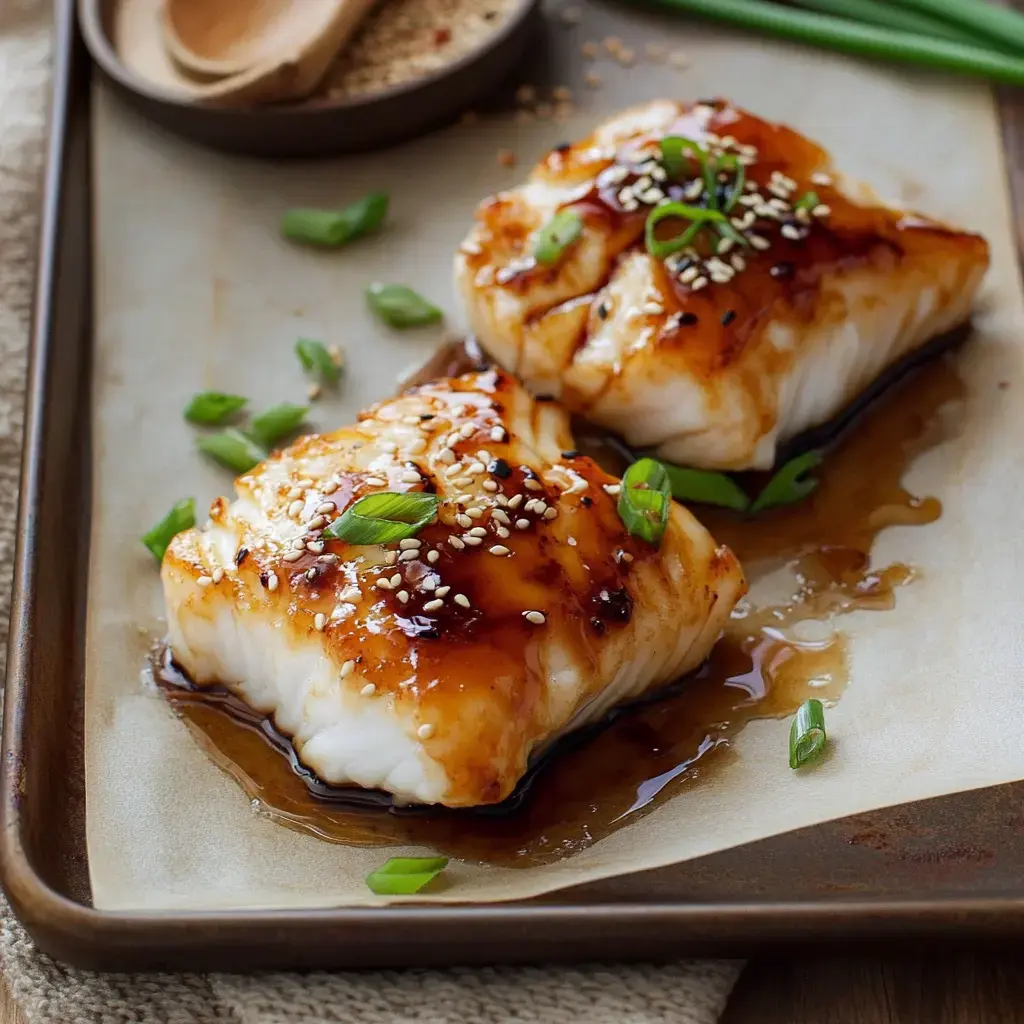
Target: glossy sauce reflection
<point>771,659</point>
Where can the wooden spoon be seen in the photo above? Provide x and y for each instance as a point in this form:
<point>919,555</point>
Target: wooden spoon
<point>246,51</point>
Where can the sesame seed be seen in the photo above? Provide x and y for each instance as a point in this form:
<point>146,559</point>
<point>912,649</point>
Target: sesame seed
<point>700,282</point>
<point>204,581</point>
<point>443,591</point>
<point>689,274</point>
<point>467,430</point>
<point>725,245</point>
<point>455,542</point>
<point>446,455</point>
<point>425,731</point>
<point>821,210</point>
<point>375,481</point>
<point>432,556</point>
<point>572,542</point>
<point>653,309</point>
<point>299,543</point>
<point>403,596</point>
<point>533,485</point>
<point>537,618</point>
<point>498,434</point>
<point>408,543</point>
<point>515,501</point>
<point>291,556</point>
<point>315,546</point>
<point>417,446</point>
<point>326,508</point>
<point>389,446</point>
<point>498,549</point>
<point>471,540</point>
<point>351,594</point>
<point>502,532</point>
<point>758,242</point>
<point>791,231</point>
<point>320,622</point>
<point>428,583</point>
<point>329,559</point>
<point>409,556</point>
<point>295,508</point>
<point>295,492</point>
<point>453,470</point>
<point>316,523</point>
<point>475,513</point>
<point>550,513</point>
<point>432,606</point>
<point>303,483</point>
<point>383,584</point>
<point>218,575</point>
<point>522,524</point>
<point>391,558</point>
<point>412,421</point>
<point>820,178</point>
<point>396,579</point>
<point>462,601</point>
<point>490,486</point>
<point>625,557</point>
<point>410,476</point>
<point>368,690</point>
<point>331,486</point>
<point>272,582</point>
<point>463,520</point>
<point>463,481</point>
<point>502,517</point>
<point>348,668</point>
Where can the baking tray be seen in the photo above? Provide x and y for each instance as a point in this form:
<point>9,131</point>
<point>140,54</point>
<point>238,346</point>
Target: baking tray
<point>943,869</point>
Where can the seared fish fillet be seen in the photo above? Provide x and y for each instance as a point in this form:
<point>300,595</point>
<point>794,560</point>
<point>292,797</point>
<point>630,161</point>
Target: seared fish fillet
<point>716,353</point>
<point>434,668</point>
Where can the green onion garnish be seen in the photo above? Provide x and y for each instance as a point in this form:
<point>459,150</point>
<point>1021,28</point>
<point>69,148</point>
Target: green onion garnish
<point>315,358</point>
<point>402,876</point>
<point>698,217</point>
<point>332,228</point>
<point>807,734</point>
<point>279,421</point>
<point>876,41</point>
<point>556,236</point>
<point>211,408</point>
<point>706,488</point>
<point>384,517</point>
<point>233,449</point>
<point>888,14</point>
<point>729,162</point>
<point>808,201</point>
<point>399,306</point>
<point>788,486</point>
<point>645,500</point>
<point>181,517</point>
<point>677,151</point>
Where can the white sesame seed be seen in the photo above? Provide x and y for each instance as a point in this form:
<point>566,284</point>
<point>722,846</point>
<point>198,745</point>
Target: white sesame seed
<point>453,470</point>
<point>291,556</point>
<point>530,505</point>
<point>348,668</point>
<point>476,468</point>
<point>409,556</point>
<point>389,446</point>
<point>537,618</point>
<point>725,245</point>
<point>408,543</point>
<point>738,262</point>
<point>821,210</point>
<point>533,485</point>
<point>455,542</point>
<point>515,501</point>
<point>410,476</point>
<point>720,277</point>
<point>446,455</point>
<point>478,531</point>
<point>467,430</point>
<point>315,546</point>
<point>204,581</point>
<point>689,274</point>
<point>383,584</point>
<point>326,508</point>
<point>465,498</point>
<point>331,486</point>
<point>329,559</point>
<point>463,481</point>
<point>653,309</point>
<point>500,516</point>
<point>475,513</point>
<point>396,579</point>
<point>497,433</point>
<point>758,242</point>
<point>417,445</point>
<point>471,541</point>
<point>461,600</point>
<point>550,513</point>
<point>316,523</point>
<point>375,481</point>
<point>502,532</point>
<point>295,509</point>
<point>403,596</point>
<point>299,543</point>
<point>272,582</point>
<point>652,195</point>
<point>368,690</point>
<point>572,542</point>
<point>443,591</point>
<point>350,593</point>
<point>432,556</point>
<point>428,583</point>
<point>627,557</point>
<point>522,524</point>
<point>453,439</point>
<point>391,558</point>
<point>693,190</point>
<point>432,606</point>
<point>218,575</point>
<point>463,520</point>
<point>425,731</point>
<point>498,549</point>
<point>320,622</point>
<point>295,492</point>
<point>791,231</point>
<point>700,282</point>
<point>490,486</point>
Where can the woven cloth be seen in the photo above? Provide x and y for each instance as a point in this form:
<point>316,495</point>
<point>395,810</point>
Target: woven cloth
<point>683,993</point>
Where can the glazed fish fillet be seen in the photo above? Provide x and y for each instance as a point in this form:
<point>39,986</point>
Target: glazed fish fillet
<point>433,668</point>
<point>754,331</point>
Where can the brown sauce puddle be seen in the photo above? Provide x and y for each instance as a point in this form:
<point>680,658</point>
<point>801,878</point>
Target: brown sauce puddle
<point>593,784</point>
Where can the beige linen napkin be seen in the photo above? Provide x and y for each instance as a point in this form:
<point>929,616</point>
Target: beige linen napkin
<point>685,993</point>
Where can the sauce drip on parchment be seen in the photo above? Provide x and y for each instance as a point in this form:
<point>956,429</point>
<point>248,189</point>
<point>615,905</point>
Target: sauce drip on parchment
<point>770,660</point>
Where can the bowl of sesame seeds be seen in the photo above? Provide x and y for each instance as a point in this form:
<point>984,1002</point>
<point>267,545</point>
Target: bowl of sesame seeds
<point>414,65</point>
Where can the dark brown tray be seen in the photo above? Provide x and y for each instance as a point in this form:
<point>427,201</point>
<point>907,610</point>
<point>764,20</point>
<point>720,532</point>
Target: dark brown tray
<point>950,868</point>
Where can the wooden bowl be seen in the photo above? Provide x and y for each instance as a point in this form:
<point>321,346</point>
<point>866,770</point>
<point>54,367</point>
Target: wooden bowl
<point>319,126</point>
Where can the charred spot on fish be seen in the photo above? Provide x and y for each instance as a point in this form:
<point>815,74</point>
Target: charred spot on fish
<point>500,468</point>
<point>241,555</point>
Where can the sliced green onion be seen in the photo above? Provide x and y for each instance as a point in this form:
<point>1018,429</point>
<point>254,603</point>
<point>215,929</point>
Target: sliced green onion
<point>316,358</point>
<point>402,876</point>
<point>1001,25</point>
<point>233,449</point>
<point>384,517</point>
<point>556,236</point>
<point>807,734</point>
<point>697,215</point>
<point>888,14</point>
<point>181,517</point>
<point>211,408</point>
<point>277,422</point>
<point>677,151</point>
<point>645,500</point>
<point>788,486</point>
<point>706,488</point>
<point>333,228</point>
<point>870,40</point>
<point>808,201</point>
<point>729,162</point>
<point>726,230</point>
<point>399,306</point>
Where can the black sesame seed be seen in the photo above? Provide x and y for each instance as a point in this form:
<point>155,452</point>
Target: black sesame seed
<point>597,625</point>
<point>586,501</point>
<point>728,316</point>
<point>602,311</point>
<point>264,578</point>
<point>572,453</point>
<point>241,556</point>
<point>426,415</point>
<point>782,270</point>
<point>499,468</point>
<point>688,319</point>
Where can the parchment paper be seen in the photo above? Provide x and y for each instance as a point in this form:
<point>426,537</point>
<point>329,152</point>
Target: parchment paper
<point>195,290</point>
